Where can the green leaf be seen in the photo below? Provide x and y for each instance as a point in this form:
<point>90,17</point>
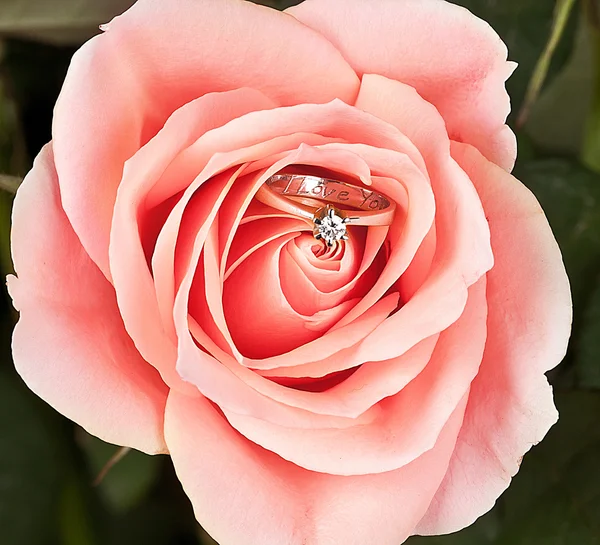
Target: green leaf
<point>12,160</point>
<point>577,430</point>
<point>555,497</point>
<point>153,522</point>
<point>525,26</point>
<point>591,145</point>
<point>77,524</point>
<point>558,119</point>
<point>57,21</point>
<point>163,517</point>
<point>34,73</point>
<point>568,513</point>
<point>31,467</point>
<point>128,481</point>
<point>588,343</point>
<point>12,146</point>
<point>6,265</point>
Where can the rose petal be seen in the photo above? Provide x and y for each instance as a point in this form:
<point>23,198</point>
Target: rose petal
<point>70,345</point>
<point>132,279</point>
<point>246,138</point>
<point>309,288</point>
<point>124,84</point>
<point>400,180</point>
<point>409,232</point>
<point>254,303</point>
<point>200,226</point>
<point>256,234</point>
<point>453,59</point>
<point>219,470</point>
<point>208,374</point>
<point>228,384</point>
<point>247,290</point>
<point>163,260</point>
<point>333,120</point>
<point>340,158</point>
<point>219,377</point>
<point>463,254</point>
<point>214,315</point>
<point>409,422</point>
<point>300,256</point>
<point>240,206</point>
<point>510,407</point>
<point>371,383</point>
<point>402,106</point>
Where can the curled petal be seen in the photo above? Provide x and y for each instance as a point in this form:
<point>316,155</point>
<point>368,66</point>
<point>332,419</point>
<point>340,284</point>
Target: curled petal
<point>453,59</point>
<point>70,345</point>
<point>132,278</point>
<point>406,425</point>
<point>123,85</point>
<point>510,407</point>
<point>292,505</point>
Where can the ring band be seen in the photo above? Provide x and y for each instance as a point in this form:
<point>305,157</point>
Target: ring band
<point>296,193</point>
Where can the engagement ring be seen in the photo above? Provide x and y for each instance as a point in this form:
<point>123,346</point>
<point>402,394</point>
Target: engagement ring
<point>303,196</point>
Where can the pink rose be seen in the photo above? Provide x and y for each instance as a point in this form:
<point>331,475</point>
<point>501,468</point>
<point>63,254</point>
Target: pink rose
<point>387,388</point>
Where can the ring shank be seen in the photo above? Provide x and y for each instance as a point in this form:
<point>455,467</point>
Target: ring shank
<point>332,191</point>
<point>295,193</point>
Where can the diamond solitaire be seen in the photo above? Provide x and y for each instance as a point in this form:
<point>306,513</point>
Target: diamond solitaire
<point>304,196</point>
<point>330,226</point>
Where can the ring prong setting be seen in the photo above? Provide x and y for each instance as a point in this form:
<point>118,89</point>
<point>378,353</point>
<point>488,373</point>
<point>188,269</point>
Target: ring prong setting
<point>330,225</point>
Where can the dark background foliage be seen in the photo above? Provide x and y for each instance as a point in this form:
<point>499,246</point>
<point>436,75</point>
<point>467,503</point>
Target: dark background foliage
<point>48,465</point>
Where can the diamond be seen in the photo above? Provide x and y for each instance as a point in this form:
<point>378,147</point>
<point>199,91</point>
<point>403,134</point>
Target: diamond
<point>330,226</point>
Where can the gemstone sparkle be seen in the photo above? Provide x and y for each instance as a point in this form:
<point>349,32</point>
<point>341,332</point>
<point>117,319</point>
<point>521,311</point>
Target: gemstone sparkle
<point>330,226</point>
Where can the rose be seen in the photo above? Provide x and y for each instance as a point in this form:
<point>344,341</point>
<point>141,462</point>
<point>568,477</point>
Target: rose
<point>389,390</point>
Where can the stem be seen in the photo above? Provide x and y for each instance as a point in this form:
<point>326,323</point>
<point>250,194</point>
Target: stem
<point>590,154</point>
<point>114,459</point>
<point>9,183</point>
<point>562,12</point>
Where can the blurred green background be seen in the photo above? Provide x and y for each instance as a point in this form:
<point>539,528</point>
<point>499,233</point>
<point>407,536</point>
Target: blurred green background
<point>48,465</point>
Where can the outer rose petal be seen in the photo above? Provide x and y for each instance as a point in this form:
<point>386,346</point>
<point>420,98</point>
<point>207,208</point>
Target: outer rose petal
<point>510,407</point>
<point>245,495</point>
<point>454,60</point>
<point>70,345</point>
<point>159,55</point>
<point>134,284</point>
<point>407,424</point>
